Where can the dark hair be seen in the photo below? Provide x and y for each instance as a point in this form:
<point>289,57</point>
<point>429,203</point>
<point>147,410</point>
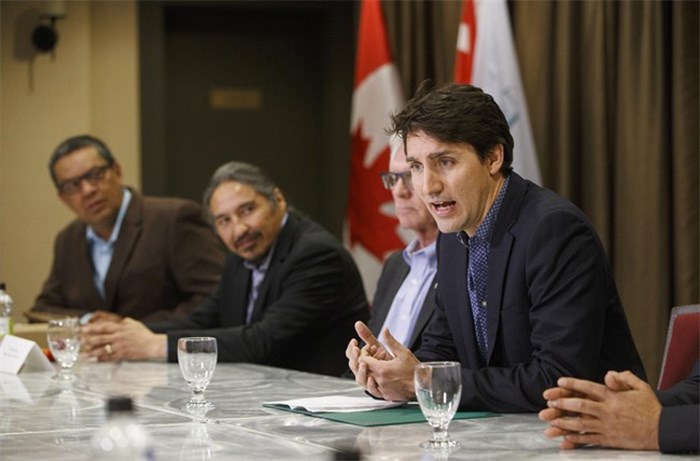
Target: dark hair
<point>70,145</point>
<point>456,114</point>
<point>244,173</point>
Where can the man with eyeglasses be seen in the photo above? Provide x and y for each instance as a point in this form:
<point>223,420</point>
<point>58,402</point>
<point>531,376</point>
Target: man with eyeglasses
<point>405,297</point>
<point>124,255</point>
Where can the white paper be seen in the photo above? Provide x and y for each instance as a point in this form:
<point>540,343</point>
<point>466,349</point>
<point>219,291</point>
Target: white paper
<point>336,404</point>
<point>21,354</point>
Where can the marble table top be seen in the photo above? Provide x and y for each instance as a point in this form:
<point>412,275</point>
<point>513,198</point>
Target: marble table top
<point>42,418</point>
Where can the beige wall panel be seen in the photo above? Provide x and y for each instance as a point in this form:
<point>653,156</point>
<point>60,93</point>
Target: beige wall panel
<point>114,68</point>
<point>45,98</point>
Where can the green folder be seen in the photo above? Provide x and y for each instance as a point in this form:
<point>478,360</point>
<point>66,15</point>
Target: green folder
<point>405,414</point>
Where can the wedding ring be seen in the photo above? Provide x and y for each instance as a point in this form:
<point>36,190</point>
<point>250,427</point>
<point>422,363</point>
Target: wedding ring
<point>108,349</point>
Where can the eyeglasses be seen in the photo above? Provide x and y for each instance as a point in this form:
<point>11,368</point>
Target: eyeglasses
<point>93,176</point>
<point>389,179</point>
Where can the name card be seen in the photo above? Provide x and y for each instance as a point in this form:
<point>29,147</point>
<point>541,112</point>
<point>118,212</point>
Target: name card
<point>13,388</point>
<point>21,354</point>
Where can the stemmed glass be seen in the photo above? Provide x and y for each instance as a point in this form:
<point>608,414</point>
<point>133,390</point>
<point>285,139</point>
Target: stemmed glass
<point>63,336</point>
<point>197,358</point>
<point>438,389</point>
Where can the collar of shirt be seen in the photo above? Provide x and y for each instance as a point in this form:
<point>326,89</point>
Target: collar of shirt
<point>258,272</point>
<point>101,250</point>
<point>485,230</point>
<point>261,268</point>
<point>427,253</point>
<point>93,238</point>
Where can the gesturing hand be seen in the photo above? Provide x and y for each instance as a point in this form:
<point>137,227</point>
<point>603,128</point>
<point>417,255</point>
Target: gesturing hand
<point>384,371</point>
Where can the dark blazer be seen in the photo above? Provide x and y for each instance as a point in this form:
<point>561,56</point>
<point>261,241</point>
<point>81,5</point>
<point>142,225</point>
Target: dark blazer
<point>166,262</point>
<point>679,423</point>
<point>553,308</point>
<point>303,316</point>
<point>393,274</point>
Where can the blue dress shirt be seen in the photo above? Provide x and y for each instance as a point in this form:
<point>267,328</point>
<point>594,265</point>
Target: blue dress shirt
<point>407,304</point>
<point>102,250</point>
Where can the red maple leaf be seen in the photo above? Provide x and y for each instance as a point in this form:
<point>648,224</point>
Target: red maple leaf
<point>368,226</point>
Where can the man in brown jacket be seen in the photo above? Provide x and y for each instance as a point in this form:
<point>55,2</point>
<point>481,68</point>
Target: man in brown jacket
<point>125,255</point>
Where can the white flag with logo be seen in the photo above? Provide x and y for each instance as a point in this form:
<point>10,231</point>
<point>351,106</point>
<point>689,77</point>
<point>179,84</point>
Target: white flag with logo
<point>486,58</point>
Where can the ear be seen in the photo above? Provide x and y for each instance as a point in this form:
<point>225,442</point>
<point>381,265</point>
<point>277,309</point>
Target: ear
<point>494,160</point>
<point>280,200</point>
<point>117,169</point>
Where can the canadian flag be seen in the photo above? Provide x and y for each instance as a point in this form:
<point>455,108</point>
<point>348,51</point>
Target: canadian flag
<point>371,226</point>
<point>486,58</point>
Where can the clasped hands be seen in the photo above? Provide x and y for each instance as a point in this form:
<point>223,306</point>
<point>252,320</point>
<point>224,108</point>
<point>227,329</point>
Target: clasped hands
<point>384,372</point>
<point>108,337</point>
<point>622,413</point>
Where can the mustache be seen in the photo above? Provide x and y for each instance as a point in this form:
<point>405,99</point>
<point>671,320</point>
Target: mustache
<point>246,237</point>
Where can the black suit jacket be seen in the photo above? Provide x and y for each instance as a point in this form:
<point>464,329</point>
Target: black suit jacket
<point>305,311</point>
<point>393,274</point>
<point>166,262</point>
<point>679,423</point>
<point>553,308</point>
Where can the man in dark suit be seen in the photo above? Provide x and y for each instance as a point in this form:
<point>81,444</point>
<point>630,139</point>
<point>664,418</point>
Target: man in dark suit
<point>125,255</point>
<point>404,300</point>
<point>525,292</point>
<point>625,413</point>
<point>288,297</point>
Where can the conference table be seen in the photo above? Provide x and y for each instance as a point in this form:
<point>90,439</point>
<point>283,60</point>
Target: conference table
<point>45,418</point>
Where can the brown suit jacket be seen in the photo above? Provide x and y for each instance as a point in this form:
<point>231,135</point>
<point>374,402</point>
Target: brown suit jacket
<point>166,262</point>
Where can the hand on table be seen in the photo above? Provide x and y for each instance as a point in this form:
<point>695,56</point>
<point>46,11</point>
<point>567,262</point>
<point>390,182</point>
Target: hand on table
<point>623,413</point>
<point>127,339</point>
<point>104,316</point>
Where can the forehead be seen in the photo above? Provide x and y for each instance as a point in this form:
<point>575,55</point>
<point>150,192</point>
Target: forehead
<point>231,195</point>
<point>398,163</point>
<point>421,147</point>
<point>77,162</point>
<point>421,144</point>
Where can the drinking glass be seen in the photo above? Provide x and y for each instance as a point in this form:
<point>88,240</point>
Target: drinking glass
<point>63,336</point>
<point>197,358</point>
<point>438,389</point>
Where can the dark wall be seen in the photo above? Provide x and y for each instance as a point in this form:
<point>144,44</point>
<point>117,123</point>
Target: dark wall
<point>268,83</point>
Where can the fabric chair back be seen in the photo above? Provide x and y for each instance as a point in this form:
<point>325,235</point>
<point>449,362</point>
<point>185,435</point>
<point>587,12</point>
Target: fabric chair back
<point>682,345</point>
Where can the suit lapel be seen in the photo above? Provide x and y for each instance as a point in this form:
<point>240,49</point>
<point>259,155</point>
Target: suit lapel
<point>237,288</point>
<point>425,312</point>
<point>499,255</point>
<point>379,313</point>
<point>282,248</point>
<point>498,261</point>
<point>84,269</point>
<point>123,248</point>
<point>457,280</point>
